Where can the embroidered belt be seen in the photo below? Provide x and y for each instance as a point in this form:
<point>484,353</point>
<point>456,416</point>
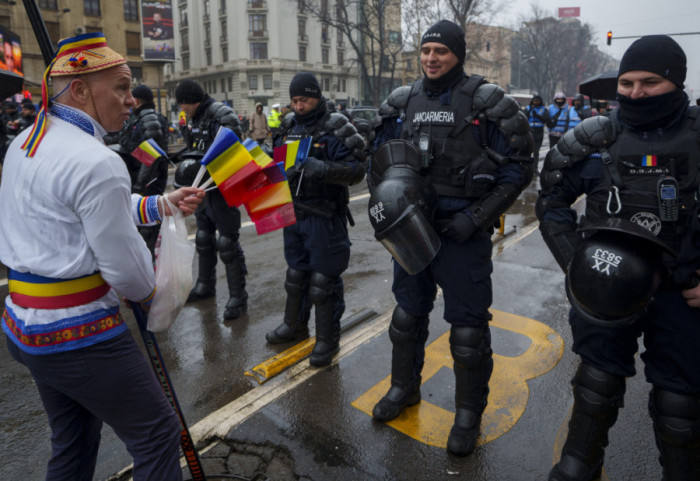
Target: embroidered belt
<point>38,292</point>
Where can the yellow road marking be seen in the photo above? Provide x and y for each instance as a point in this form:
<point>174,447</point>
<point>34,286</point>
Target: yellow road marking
<point>430,424</point>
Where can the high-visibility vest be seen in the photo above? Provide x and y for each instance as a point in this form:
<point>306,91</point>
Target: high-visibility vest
<point>273,120</point>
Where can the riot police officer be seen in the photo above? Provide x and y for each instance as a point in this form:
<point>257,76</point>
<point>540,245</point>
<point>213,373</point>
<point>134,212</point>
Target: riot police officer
<point>639,165</point>
<point>451,121</point>
<point>206,117</point>
<point>317,247</point>
<point>145,123</point>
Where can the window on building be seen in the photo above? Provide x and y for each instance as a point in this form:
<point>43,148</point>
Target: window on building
<point>92,7</point>
<point>224,54</point>
<point>340,37</point>
<point>230,84</point>
<point>343,85</point>
<point>324,33</point>
<point>185,62</point>
<point>5,22</point>
<point>133,43</point>
<point>394,37</point>
<point>256,3</point>
<point>90,29</point>
<point>183,17</point>
<point>185,40</point>
<point>324,7</point>
<point>326,84</point>
<point>300,6</point>
<point>253,82</point>
<point>258,51</point>
<point>207,51</point>
<point>207,10</point>
<point>341,58</point>
<point>207,35</point>
<point>257,24</point>
<point>302,27</point>
<point>131,10</point>
<point>324,56</point>
<point>409,64</point>
<point>267,81</point>
<point>302,53</point>
<point>48,4</point>
<point>136,74</point>
<point>222,6</point>
<point>224,31</point>
<point>223,85</point>
<point>54,29</point>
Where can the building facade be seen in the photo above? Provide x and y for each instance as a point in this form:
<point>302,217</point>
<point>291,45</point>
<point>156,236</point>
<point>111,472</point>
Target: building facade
<point>119,20</point>
<point>247,51</point>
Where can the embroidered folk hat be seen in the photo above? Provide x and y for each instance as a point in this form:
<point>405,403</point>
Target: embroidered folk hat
<point>79,55</point>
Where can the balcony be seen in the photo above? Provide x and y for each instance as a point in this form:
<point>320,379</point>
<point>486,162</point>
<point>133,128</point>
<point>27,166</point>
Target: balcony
<point>303,38</point>
<point>205,17</point>
<point>257,34</point>
<point>207,43</point>
<point>222,12</point>
<point>257,5</point>
<point>223,39</point>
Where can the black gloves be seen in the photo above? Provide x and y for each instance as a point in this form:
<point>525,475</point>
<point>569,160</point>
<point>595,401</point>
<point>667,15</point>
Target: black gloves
<point>314,169</point>
<point>460,228</point>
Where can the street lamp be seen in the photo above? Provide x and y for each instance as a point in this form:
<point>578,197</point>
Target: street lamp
<point>520,65</point>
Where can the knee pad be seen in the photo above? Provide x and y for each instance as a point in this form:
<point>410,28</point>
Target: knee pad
<point>320,288</point>
<point>229,249</point>
<point>404,327</point>
<point>295,283</point>
<point>676,418</point>
<point>597,392</point>
<point>470,346</point>
<point>205,242</point>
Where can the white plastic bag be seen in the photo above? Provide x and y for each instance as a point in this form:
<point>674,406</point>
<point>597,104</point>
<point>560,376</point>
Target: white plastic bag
<point>174,257</point>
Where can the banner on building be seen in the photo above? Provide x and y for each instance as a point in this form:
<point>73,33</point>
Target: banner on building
<point>570,12</point>
<point>157,30</point>
<point>10,52</point>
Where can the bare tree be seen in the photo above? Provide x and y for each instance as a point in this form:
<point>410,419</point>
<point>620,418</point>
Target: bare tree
<point>367,27</point>
<point>560,54</point>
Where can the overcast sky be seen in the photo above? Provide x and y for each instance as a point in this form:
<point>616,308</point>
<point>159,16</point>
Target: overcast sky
<point>628,18</point>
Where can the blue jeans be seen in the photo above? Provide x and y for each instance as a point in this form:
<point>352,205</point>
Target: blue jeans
<point>107,382</point>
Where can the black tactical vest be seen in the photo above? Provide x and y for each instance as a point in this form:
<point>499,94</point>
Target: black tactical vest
<point>333,197</point>
<point>631,188</point>
<point>458,166</point>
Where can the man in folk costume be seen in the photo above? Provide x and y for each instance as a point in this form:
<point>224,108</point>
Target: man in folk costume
<point>68,237</point>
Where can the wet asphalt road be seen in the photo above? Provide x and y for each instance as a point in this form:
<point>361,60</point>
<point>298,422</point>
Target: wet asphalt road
<point>312,415</point>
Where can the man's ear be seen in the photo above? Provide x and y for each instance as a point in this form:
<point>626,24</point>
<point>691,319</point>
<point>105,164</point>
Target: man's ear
<point>80,91</point>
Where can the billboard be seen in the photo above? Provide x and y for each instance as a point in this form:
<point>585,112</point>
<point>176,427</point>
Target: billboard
<point>570,12</point>
<point>157,30</point>
<point>10,52</point>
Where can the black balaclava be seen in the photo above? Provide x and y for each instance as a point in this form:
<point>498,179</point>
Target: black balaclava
<point>451,36</point>
<point>659,54</point>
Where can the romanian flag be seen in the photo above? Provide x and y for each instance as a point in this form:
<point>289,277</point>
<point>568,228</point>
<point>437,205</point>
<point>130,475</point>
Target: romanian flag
<point>292,152</point>
<point>233,168</point>
<point>272,208</point>
<point>257,152</point>
<point>148,151</point>
<point>648,161</point>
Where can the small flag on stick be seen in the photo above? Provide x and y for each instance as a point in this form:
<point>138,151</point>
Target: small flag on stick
<point>233,168</point>
<point>148,151</point>
<point>292,152</point>
<point>272,208</point>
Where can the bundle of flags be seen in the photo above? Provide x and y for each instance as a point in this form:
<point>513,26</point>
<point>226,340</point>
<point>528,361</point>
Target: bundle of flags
<point>148,151</point>
<point>246,175</point>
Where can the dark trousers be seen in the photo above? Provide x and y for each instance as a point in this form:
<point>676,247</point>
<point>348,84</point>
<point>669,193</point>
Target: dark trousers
<point>463,270</point>
<point>538,136</point>
<point>671,330</point>
<point>217,215</point>
<point>107,382</point>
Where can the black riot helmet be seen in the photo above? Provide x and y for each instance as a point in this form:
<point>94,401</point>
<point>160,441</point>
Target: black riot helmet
<point>615,273</point>
<point>186,171</point>
<point>401,207</point>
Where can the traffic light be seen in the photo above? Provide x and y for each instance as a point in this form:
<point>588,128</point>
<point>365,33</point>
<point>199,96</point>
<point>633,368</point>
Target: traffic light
<point>609,37</point>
